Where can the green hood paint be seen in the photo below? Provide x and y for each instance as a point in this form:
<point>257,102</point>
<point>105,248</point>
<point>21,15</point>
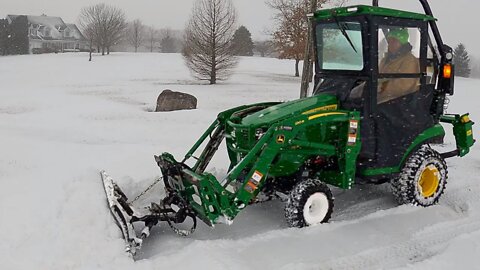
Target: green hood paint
<point>281,111</point>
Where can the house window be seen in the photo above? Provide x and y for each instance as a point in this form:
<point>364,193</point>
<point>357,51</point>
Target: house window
<point>47,32</point>
<point>67,33</point>
<point>33,31</point>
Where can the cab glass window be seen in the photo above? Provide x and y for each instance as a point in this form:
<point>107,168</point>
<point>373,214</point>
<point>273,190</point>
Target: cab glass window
<point>398,62</point>
<point>340,46</point>
<point>432,62</point>
<point>396,44</point>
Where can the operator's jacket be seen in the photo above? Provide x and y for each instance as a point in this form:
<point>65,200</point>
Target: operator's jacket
<point>401,62</point>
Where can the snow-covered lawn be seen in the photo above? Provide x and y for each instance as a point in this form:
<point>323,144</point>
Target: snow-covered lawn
<point>62,119</point>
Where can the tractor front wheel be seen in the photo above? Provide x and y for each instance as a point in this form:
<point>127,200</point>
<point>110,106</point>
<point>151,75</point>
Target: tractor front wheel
<point>423,178</point>
<point>310,202</point>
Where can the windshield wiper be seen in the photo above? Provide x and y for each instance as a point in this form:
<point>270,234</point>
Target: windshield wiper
<point>344,32</point>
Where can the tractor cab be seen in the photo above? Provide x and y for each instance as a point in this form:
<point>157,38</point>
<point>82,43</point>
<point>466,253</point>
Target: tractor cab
<point>390,65</point>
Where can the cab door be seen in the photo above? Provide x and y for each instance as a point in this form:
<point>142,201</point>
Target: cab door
<point>402,98</point>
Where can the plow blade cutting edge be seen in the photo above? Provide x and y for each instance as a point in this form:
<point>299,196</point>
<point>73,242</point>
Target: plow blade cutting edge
<point>122,213</point>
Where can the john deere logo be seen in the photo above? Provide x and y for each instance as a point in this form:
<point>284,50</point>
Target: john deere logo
<point>280,138</point>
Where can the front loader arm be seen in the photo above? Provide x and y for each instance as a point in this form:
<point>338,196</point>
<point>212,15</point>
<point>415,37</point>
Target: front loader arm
<point>216,132</point>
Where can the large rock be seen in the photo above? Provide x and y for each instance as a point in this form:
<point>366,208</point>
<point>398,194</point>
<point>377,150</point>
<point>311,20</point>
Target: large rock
<point>169,100</point>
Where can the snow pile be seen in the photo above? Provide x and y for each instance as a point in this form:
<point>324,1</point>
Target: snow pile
<point>63,119</point>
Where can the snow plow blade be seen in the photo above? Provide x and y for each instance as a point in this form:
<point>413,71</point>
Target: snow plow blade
<point>125,215</point>
<point>122,213</point>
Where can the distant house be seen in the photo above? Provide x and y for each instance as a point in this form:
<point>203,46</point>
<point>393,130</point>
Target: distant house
<point>52,34</point>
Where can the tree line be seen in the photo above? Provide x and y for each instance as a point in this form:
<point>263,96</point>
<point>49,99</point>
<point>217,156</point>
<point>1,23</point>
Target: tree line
<point>209,45</point>
<point>151,39</point>
<point>106,27</point>
<point>211,41</point>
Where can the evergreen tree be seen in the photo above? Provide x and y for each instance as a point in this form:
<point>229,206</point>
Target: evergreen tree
<point>3,36</point>
<point>461,61</point>
<point>18,32</point>
<point>242,42</point>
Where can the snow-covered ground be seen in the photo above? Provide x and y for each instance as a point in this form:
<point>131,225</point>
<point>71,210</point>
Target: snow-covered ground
<point>62,119</point>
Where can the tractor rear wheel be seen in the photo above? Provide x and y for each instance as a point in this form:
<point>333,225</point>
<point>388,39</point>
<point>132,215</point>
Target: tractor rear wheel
<point>310,202</point>
<point>423,178</point>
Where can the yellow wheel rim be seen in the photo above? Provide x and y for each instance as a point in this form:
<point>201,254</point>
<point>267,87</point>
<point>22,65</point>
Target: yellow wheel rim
<point>429,181</point>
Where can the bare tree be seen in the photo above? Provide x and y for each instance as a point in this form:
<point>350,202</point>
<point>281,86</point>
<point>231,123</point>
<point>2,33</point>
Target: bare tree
<point>136,34</point>
<point>106,25</point>
<point>115,27</point>
<point>167,41</point>
<point>290,35</point>
<point>90,23</point>
<point>89,32</point>
<point>265,47</point>
<point>207,49</point>
<point>152,37</point>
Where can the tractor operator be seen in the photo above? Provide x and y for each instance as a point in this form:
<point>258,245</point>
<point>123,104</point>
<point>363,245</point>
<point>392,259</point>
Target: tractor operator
<point>398,59</point>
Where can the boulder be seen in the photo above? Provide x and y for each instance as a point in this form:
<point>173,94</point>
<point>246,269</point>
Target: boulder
<point>170,100</point>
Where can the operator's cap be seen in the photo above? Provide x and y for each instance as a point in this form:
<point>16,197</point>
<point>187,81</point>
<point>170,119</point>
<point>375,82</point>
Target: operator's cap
<point>401,34</point>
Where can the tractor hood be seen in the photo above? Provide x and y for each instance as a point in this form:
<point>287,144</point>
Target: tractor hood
<point>281,111</point>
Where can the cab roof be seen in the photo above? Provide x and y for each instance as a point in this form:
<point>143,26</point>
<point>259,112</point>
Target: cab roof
<point>370,10</point>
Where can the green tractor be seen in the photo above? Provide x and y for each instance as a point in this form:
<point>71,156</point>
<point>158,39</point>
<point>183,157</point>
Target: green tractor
<point>382,77</point>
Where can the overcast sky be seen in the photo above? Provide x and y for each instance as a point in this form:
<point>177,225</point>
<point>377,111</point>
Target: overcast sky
<point>456,17</point>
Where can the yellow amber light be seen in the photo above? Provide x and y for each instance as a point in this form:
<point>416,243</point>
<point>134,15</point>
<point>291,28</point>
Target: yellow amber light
<point>447,71</point>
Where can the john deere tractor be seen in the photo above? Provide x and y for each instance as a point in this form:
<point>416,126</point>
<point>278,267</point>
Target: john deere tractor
<point>362,124</point>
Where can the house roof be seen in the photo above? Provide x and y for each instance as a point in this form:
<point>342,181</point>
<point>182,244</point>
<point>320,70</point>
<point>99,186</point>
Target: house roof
<point>43,20</point>
<point>52,22</point>
<point>55,24</point>
<point>74,27</point>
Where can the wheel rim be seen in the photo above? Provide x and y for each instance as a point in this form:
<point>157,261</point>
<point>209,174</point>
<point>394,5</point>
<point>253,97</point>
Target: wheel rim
<point>429,181</point>
<point>316,208</point>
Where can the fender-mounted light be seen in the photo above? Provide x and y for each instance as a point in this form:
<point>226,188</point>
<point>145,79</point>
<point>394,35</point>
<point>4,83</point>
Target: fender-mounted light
<point>447,71</point>
<point>465,119</point>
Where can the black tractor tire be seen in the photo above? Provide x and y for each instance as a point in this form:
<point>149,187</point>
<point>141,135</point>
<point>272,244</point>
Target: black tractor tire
<point>310,202</point>
<point>423,178</point>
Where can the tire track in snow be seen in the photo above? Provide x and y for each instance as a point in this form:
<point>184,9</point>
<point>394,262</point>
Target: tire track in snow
<point>422,246</point>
